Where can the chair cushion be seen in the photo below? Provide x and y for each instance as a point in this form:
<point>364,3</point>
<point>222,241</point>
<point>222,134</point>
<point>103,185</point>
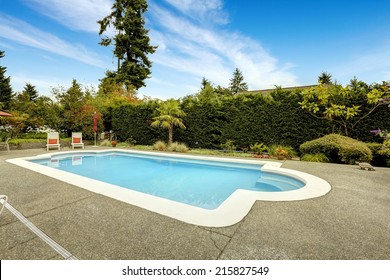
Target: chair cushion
<point>52,141</point>
<point>76,140</point>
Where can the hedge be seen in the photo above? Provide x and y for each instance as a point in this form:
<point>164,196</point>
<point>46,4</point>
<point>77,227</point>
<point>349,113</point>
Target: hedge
<point>245,119</point>
<point>133,121</point>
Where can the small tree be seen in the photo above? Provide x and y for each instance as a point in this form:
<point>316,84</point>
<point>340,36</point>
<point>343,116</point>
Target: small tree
<point>5,87</point>
<point>71,101</point>
<point>237,83</point>
<point>343,105</point>
<point>207,93</point>
<point>169,116</point>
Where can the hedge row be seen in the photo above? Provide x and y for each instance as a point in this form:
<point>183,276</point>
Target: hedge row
<point>246,119</point>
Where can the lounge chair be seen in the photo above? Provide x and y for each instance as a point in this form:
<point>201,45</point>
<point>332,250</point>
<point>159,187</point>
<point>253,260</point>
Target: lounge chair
<point>77,140</point>
<point>5,144</point>
<point>53,140</point>
<point>4,198</point>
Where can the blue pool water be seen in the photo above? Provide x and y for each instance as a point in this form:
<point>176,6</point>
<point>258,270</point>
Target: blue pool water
<point>200,183</point>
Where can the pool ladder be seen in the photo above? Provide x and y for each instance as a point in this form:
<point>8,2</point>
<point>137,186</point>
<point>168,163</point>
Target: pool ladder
<point>5,199</point>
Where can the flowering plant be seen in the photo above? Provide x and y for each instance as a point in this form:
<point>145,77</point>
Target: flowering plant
<point>281,152</point>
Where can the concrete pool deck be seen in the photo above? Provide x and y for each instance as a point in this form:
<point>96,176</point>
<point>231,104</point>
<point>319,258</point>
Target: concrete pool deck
<point>351,222</point>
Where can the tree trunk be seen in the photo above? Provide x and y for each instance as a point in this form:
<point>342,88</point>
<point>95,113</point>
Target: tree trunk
<point>170,135</point>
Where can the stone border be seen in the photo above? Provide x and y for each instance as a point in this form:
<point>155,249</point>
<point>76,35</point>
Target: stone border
<point>231,211</point>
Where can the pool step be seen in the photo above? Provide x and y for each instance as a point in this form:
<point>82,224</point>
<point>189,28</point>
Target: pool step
<point>273,182</point>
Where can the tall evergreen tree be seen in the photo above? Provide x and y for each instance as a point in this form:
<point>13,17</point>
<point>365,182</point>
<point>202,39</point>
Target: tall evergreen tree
<point>132,43</point>
<point>31,91</point>
<point>325,78</point>
<point>204,83</point>
<point>5,87</point>
<point>237,83</point>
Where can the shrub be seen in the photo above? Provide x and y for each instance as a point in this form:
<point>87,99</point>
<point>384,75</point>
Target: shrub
<point>178,147</point>
<point>228,145</point>
<point>384,153</point>
<point>182,148</point>
<point>319,157</point>
<point>3,135</point>
<point>105,143</point>
<point>33,135</point>
<point>160,146</point>
<point>173,147</point>
<point>258,148</point>
<point>278,150</point>
<point>385,149</point>
<point>379,158</point>
<point>122,145</point>
<point>338,149</point>
<point>131,141</point>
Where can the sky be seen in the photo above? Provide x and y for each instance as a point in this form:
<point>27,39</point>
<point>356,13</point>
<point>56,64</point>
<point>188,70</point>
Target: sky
<point>48,43</point>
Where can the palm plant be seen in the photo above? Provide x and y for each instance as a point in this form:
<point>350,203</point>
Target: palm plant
<point>169,116</point>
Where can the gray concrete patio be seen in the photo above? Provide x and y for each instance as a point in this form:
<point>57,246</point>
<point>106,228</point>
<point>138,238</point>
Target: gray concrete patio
<point>350,222</point>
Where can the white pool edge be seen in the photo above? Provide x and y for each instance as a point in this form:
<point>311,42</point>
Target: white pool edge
<point>230,212</point>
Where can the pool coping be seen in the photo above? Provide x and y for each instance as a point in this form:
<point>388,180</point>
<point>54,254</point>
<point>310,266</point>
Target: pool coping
<point>230,212</point>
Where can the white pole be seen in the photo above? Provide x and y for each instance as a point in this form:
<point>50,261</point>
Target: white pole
<point>95,139</point>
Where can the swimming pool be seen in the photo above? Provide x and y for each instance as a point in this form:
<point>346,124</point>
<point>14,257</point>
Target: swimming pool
<point>198,190</point>
<point>200,183</point>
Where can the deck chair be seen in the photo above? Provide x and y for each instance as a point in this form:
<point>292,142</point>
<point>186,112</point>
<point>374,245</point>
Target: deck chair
<point>53,140</point>
<point>77,140</point>
<point>5,144</point>
<point>4,202</point>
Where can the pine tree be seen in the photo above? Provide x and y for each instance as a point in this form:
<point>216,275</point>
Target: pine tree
<point>131,43</point>
<point>325,78</point>
<point>237,83</point>
<point>5,87</point>
<point>31,91</point>
<point>204,83</point>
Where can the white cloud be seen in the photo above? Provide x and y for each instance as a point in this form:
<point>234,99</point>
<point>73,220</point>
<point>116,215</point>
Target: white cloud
<point>199,51</point>
<point>201,10</point>
<point>43,86</point>
<point>75,14</point>
<point>23,33</point>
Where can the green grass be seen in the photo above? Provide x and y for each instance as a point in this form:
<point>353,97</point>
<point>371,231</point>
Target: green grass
<point>17,141</point>
<point>201,152</point>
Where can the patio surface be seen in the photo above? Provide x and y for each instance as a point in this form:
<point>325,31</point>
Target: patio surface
<point>351,222</point>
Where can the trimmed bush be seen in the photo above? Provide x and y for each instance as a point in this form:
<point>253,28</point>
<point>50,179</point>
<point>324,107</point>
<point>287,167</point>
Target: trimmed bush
<point>319,157</point>
<point>33,135</point>
<point>338,149</point>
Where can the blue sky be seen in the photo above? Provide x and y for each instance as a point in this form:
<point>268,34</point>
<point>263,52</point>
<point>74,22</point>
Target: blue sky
<point>288,43</point>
